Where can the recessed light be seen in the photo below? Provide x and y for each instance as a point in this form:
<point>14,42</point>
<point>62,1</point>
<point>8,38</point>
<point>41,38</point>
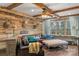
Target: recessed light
<point>32,10</point>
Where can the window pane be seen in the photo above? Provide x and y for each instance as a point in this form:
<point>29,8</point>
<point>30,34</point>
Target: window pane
<point>68,28</point>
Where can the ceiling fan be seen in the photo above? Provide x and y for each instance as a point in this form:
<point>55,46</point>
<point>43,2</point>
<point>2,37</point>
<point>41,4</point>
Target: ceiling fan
<point>46,11</point>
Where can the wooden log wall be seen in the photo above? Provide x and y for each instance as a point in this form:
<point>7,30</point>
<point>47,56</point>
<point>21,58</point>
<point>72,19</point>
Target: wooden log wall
<point>11,21</point>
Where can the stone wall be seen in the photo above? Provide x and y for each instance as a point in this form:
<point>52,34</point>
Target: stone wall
<point>10,24</point>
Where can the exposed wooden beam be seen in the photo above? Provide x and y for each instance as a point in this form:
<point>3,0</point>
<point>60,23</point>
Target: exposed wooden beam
<point>4,16</point>
<point>14,13</point>
<point>40,5</point>
<point>67,9</point>
<point>13,5</point>
<point>61,17</point>
<point>70,15</point>
<point>46,10</point>
<point>37,15</point>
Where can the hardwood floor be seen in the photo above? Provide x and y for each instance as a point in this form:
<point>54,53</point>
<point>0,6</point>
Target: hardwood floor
<point>71,51</point>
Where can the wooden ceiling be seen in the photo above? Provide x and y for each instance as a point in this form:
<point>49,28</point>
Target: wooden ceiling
<point>57,11</point>
<point>8,10</point>
<point>46,10</point>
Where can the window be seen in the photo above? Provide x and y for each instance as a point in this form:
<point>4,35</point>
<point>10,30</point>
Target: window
<point>69,26</point>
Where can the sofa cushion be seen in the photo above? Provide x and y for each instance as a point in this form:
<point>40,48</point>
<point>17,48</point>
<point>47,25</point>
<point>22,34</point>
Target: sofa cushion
<point>31,38</point>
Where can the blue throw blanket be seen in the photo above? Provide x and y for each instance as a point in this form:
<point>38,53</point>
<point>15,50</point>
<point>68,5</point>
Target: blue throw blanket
<point>46,36</point>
